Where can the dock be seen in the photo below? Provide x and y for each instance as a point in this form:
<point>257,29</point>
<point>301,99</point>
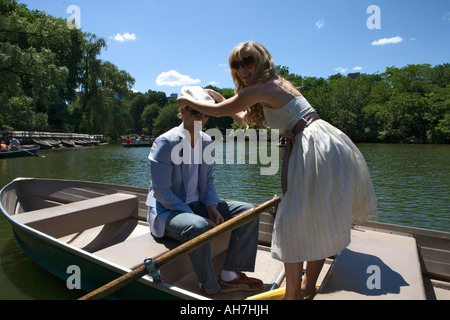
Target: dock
<point>52,139</point>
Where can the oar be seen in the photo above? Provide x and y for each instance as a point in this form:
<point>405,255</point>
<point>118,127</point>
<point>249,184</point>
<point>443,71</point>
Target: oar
<point>33,154</point>
<point>184,248</point>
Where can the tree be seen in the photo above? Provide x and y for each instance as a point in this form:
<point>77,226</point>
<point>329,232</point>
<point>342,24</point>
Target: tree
<point>103,92</point>
<point>167,119</point>
<point>221,123</point>
<point>39,61</point>
<point>149,116</point>
<point>438,116</point>
<point>51,78</point>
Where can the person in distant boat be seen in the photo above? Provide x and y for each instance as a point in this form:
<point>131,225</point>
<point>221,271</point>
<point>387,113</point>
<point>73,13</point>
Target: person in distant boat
<point>138,140</point>
<point>128,141</point>
<point>183,204</point>
<point>14,144</point>
<point>3,147</point>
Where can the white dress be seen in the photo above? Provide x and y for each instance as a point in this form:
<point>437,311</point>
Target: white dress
<point>328,188</point>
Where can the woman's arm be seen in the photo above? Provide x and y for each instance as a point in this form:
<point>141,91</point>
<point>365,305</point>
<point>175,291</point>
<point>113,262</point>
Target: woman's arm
<point>226,108</point>
<point>239,117</point>
<point>234,106</point>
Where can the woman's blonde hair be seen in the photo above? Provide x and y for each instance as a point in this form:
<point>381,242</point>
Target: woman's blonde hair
<point>264,71</point>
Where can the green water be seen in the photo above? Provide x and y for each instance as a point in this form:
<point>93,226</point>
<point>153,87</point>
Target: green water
<point>411,183</point>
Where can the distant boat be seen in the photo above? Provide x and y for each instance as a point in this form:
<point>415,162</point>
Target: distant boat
<point>43,144</point>
<point>54,143</point>
<point>82,142</point>
<point>68,143</point>
<point>24,152</point>
<point>137,145</point>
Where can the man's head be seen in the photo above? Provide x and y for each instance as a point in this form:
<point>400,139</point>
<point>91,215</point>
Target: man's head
<point>189,116</point>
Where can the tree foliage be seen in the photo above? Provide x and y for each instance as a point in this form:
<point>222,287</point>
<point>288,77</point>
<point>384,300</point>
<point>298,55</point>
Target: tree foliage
<point>409,104</point>
<point>52,79</point>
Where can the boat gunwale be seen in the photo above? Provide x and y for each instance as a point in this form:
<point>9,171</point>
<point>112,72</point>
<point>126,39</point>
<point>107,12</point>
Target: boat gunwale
<point>404,230</point>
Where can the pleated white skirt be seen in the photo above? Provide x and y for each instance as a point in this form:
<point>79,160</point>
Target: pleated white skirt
<point>329,187</point>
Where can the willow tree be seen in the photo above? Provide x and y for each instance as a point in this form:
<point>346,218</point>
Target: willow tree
<point>38,66</point>
<point>100,106</point>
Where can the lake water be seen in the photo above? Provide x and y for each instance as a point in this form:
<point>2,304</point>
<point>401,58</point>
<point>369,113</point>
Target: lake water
<point>412,184</point>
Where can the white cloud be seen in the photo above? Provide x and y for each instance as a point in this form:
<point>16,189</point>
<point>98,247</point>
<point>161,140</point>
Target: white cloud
<point>346,70</point>
<point>446,17</point>
<point>125,37</point>
<point>224,66</point>
<point>341,70</point>
<point>213,83</point>
<point>320,24</point>
<point>384,41</point>
<point>173,79</point>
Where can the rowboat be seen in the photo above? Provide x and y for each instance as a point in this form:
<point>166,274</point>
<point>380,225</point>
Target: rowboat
<point>137,145</point>
<point>24,152</point>
<point>83,143</point>
<point>55,143</point>
<point>43,144</point>
<point>68,143</point>
<point>101,230</point>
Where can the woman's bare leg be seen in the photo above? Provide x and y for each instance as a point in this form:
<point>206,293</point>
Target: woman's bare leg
<point>308,287</point>
<point>293,280</point>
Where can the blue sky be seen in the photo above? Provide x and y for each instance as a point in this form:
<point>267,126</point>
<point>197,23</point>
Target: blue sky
<point>166,44</point>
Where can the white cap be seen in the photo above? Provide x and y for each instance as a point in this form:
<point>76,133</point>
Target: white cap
<point>197,93</point>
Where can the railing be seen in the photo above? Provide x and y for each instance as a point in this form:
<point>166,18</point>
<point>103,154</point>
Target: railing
<point>26,137</point>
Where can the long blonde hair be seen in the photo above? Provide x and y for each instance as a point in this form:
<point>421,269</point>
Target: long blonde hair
<point>265,70</point>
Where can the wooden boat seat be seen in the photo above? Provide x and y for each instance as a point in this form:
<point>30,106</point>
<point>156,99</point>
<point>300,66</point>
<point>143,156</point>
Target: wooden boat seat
<point>66,219</point>
<point>131,253</point>
<point>375,266</point>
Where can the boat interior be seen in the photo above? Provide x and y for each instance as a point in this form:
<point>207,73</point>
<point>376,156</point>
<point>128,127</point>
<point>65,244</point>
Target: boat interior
<point>110,222</point>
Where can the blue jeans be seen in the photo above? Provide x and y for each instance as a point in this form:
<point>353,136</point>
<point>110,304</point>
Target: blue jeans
<point>241,253</point>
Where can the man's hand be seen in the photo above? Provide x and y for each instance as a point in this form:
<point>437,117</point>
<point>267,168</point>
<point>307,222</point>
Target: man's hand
<point>215,218</point>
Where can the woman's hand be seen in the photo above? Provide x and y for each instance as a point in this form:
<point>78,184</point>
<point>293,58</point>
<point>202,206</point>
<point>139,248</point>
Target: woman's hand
<point>215,95</point>
<point>182,102</point>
